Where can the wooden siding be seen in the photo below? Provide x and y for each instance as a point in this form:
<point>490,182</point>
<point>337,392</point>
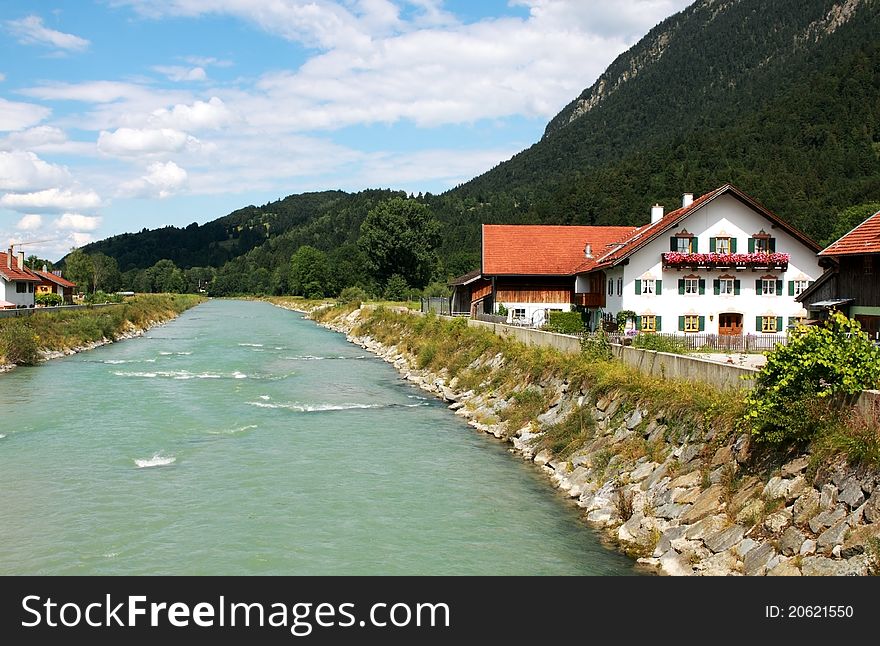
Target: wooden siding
<point>480,290</point>
<point>590,300</point>
<point>534,290</point>
<point>853,282</point>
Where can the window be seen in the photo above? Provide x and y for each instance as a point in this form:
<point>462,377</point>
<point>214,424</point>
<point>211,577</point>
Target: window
<point>517,314</point>
<point>768,287</point>
<point>762,245</point>
<point>691,323</point>
<point>726,286</point>
<point>868,265</point>
<point>770,324</point>
<point>683,245</point>
<point>794,321</point>
<point>649,323</point>
<point>620,286</point>
<point>21,288</point>
<point>649,286</point>
<point>797,287</point>
<point>30,288</point>
<point>691,286</point>
<point>722,245</point>
<point>611,287</point>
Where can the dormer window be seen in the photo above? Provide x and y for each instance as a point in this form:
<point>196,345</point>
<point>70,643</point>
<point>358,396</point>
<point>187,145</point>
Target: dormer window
<point>762,242</point>
<point>683,242</point>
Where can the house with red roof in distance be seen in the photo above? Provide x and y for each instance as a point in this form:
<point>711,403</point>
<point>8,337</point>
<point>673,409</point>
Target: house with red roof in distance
<point>17,282</point>
<point>51,282</point>
<point>719,264</point>
<point>850,283</point>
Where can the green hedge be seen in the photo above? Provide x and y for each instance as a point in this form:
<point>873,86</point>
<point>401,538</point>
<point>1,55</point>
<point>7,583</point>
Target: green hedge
<point>565,322</point>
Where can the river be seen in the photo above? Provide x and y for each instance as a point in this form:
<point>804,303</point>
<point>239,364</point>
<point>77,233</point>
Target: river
<point>242,439</point>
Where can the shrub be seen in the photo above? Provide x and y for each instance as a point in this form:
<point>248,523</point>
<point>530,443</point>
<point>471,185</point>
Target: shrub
<point>804,382</point>
<point>501,310</point>
<point>18,343</point>
<point>396,289</point>
<point>351,295</point>
<point>49,299</point>
<point>565,322</point>
<point>101,297</point>
<point>596,347</point>
<point>660,343</point>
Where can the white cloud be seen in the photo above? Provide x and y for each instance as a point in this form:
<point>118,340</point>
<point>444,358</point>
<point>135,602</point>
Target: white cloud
<point>136,142</point>
<point>30,30</point>
<point>628,18</point>
<point>162,180</point>
<point>2,77</point>
<point>51,200</point>
<point>24,171</point>
<point>29,222</point>
<point>16,116</point>
<point>77,222</point>
<point>207,61</point>
<point>177,73</point>
<point>200,115</point>
<point>36,137</point>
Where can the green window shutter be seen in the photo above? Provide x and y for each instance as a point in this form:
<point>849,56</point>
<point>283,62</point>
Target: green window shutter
<point>791,288</point>
<point>733,245</point>
<point>779,324</point>
<point>736,287</point>
<point>779,288</point>
<point>681,286</point>
<point>638,287</point>
<point>712,245</point>
<point>771,245</point>
<point>658,287</point>
<point>673,244</point>
<point>716,286</point>
<point>758,286</point>
<point>702,287</point>
<point>657,325</point>
<point>758,324</point>
<point>695,245</point>
<point>639,323</point>
<point>702,324</point>
<point>751,245</point>
<point>681,324</point>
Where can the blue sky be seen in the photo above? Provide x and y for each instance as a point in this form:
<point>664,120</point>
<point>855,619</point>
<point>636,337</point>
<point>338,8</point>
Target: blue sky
<point>117,115</point>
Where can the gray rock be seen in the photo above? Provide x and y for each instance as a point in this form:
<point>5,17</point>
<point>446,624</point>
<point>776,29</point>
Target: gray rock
<point>791,541</point>
<point>688,496</point>
<point>756,560</point>
<point>821,566</point>
<point>745,547</point>
<point>603,402</point>
<point>806,507</point>
<point>654,479</point>
<point>674,564</point>
<point>612,408</point>
<point>778,521</point>
<point>832,537</point>
<point>721,564</point>
<point>671,511</point>
<point>665,542</point>
<point>795,488</point>
<point>828,497</point>
<point>809,547</point>
<point>741,448</point>
<point>549,417</point>
<point>852,493</point>
<point>643,471</point>
<point>795,466</point>
<point>751,512</point>
<point>689,452</point>
<point>633,419</point>
<point>686,481</point>
<point>857,540</point>
<point>725,539</point>
<point>785,568</point>
<point>827,519</point>
<point>708,503</point>
<point>723,455</point>
<point>776,488</point>
<point>708,526</point>
<point>872,507</point>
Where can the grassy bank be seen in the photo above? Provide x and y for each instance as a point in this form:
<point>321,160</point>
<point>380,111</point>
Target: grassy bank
<point>23,338</point>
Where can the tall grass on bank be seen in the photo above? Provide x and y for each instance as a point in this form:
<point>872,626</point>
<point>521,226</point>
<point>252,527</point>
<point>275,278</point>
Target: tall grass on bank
<point>22,338</point>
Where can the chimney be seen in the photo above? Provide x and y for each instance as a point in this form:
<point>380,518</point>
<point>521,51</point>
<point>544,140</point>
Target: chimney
<point>45,268</point>
<point>656,213</point>
<point>687,199</point>
<point>588,251</point>
<point>21,260</point>
<point>9,258</point>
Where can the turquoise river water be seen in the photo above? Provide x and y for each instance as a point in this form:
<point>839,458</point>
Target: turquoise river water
<point>242,439</point>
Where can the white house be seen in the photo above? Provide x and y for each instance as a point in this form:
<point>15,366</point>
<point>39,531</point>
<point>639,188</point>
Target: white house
<point>720,264</point>
<point>17,282</point>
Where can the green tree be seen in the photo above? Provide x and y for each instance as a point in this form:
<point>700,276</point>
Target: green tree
<point>396,289</point>
<point>824,363</point>
<point>400,236</point>
<point>850,218</point>
<point>105,273</point>
<point>80,269</point>
<point>310,272</point>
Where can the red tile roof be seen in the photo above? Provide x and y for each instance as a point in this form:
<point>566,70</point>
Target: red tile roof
<point>865,238</point>
<point>54,278</point>
<point>15,273</point>
<point>538,250</point>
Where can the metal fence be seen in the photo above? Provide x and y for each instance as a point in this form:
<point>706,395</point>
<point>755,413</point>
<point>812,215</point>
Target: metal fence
<point>713,342</point>
<point>440,306</point>
<point>28,311</point>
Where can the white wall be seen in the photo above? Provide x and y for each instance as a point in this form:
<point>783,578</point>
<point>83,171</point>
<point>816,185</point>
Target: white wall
<point>8,293</point>
<point>535,311</point>
<point>725,215</point>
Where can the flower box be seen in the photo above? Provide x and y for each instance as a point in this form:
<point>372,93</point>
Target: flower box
<point>760,260</point>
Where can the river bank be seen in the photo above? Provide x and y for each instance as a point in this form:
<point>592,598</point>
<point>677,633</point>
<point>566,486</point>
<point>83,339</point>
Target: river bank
<point>60,334</point>
<point>683,493</point>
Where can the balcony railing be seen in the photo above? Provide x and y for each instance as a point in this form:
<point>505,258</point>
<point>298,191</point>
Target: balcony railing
<point>760,260</point>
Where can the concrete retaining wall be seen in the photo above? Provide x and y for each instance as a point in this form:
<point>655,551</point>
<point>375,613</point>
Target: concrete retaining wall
<point>677,366</point>
<point>562,342</point>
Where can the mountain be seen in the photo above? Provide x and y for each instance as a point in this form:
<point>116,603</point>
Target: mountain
<point>780,98</point>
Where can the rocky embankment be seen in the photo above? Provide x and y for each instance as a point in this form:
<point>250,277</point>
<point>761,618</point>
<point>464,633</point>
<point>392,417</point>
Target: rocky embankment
<point>691,506</point>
